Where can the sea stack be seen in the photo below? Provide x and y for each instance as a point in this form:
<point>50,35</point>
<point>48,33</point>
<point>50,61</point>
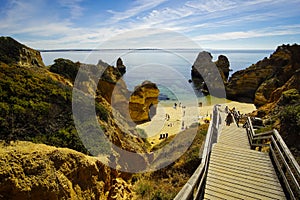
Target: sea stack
<point>209,77</point>
<point>143,102</point>
<point>120,66</point>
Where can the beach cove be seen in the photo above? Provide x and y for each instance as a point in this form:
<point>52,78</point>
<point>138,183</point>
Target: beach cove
<point>182,117</point>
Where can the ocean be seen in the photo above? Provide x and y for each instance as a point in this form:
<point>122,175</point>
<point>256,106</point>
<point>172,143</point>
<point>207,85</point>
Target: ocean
<point>169,69</point>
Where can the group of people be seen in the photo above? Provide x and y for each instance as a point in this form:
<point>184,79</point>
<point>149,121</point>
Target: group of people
<point>232,114</point>
<point>163,136</point>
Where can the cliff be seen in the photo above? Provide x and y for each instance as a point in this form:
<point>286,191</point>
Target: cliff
<point>37,171</point>
<point>143,102</point>
<point>273,85</point>
<point>14,53</point>
<point>36,106</point>
<point>265,81</point>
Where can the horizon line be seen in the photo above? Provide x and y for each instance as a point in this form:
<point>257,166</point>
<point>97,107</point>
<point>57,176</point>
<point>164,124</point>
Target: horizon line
<point>145,49</point>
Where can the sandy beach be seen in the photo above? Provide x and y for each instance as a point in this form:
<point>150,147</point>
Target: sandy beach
<point>170,120</point>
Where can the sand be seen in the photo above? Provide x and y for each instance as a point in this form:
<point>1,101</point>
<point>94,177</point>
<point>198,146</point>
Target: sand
<point>182,117</point>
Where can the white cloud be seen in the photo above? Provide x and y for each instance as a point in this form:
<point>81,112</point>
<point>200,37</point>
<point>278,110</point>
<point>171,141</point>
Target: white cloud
<point>223,19</point>
<point>211,5</point>
<point>269,31</point>
<point>74,6</point>
<point>138,7</point>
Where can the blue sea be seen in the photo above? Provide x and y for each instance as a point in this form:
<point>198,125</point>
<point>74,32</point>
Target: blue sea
<point>169,69</point>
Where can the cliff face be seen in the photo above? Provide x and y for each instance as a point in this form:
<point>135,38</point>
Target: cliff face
<point>38,171</point>
<point>36,106</point>
<point>12,52</point>
<point>273,85</point>
<point>143,102</point>
<point>265,81</point>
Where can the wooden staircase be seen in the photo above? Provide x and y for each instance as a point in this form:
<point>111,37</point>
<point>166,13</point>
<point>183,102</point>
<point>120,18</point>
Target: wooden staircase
<point>237,172</point>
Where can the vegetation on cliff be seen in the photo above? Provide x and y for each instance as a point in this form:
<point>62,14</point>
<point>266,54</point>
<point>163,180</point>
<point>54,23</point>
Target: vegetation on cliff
<point>66,68</point>
<point>34,107</point>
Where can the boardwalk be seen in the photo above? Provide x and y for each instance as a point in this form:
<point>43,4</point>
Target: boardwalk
<point>237,172</point>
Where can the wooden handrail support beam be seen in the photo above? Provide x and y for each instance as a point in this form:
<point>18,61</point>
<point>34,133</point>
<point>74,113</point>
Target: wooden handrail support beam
<point>285,162</point>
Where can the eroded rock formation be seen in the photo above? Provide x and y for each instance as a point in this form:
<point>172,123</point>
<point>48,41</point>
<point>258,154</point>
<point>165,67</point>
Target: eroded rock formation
<point>120,66</point>
<point>14,53</point>
<point>38,171</point>
<point>224,67</point>
<point>265,81</point>
<point>209,76</point>
<point>143,102</point>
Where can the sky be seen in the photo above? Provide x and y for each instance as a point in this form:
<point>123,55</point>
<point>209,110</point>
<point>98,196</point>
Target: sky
<point>208,24</point>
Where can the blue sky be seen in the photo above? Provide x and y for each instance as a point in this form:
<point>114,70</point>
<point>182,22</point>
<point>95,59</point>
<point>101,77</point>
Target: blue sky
<point>211,24</point>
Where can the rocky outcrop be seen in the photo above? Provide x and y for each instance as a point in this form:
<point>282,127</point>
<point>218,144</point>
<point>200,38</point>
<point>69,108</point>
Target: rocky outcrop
<point>15,53</point>
<point>120,66</point>
<point>208,76</point>
<point>224,67</point>
<point>265,81</point>
<point>38,171</point>
<point>143,102</point>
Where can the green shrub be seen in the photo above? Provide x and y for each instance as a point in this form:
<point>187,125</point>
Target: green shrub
<point>143,188</point>
<point>66,68</point>
<point>290,119</point>
<point>101,112</point>
<point>36,108</point>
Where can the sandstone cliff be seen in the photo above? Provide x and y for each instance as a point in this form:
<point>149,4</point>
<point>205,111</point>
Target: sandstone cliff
<point>12,52</point>
<point>265,81</point>
<point>143,102</point>
<point>37,171</point>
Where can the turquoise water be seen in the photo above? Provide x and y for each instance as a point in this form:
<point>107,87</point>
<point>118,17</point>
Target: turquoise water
<point>169,69</point>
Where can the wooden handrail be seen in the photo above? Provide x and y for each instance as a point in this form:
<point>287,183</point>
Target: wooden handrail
<point>285,163</point>
<point>198,178</point>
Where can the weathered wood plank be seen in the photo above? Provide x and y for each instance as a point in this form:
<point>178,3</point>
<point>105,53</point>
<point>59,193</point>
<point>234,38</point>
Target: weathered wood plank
<point>244,190</point>
<point>272,193</point>
<point>247,157</point>
<point>211,194</point>
<point>263,183</point>
<point>227,191</point>
<point>246,174</point>
<point>242,167</point>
